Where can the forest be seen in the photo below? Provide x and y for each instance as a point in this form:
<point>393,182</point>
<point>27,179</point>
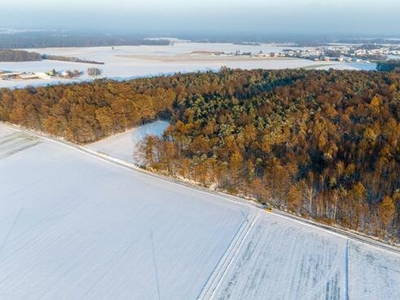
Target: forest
<point>18,55</point>
<point>70,59</point>
<point>388,65</point>
<point>321,144</point>
<point>62,39</point>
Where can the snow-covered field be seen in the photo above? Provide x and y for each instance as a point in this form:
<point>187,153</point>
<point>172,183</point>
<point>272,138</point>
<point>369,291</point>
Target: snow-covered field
<point>283,261</point>
<point>125,62</point>
<point>4,131</point>
<point>75,226</point>
<point>373,274</point>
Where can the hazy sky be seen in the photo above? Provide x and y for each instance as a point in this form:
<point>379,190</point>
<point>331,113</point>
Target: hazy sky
<point>368,17</point>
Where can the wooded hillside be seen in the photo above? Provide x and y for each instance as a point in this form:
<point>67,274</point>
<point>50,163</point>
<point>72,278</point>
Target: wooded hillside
<point>323,144</point>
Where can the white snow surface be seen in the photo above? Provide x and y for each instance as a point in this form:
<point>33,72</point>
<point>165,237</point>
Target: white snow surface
<point>376,273</point>
<point>75,226</point>
<point>125,62</point>
<point>4,131</point>
<point>283,261</point>
<point>125,145</point>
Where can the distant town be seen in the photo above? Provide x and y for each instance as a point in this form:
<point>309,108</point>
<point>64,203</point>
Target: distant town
<point>365,53</point>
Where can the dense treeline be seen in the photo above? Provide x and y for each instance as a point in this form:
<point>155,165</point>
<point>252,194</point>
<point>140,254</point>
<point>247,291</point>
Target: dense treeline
<point>389,65</point>
<point>50,39</point>
<point>85,112</point>
<point>18,55</point>
<point>70,59</point>
<point>323,144</point>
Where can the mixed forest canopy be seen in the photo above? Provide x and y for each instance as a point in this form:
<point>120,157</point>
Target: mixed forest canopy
<point>323,144</point>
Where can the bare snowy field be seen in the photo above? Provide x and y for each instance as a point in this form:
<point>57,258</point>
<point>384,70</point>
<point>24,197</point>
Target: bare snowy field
<point>4,131</point>
<point>124,62</point>
<point>75,226</point>
<point>280,260</point>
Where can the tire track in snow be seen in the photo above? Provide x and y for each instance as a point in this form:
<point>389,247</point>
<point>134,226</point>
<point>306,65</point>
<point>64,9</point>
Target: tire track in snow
<point>11,229</point>
<point>155,265</point>
<point>16,142</point>
<point>325,279</point>
<point>217,276</point>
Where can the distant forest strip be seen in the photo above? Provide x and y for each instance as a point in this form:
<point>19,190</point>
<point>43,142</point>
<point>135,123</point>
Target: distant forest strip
<point>323,144</point>
<point>48,40</point>
<point>70,59</point>
<point>389,65</point>
<point>18,55</point>
<point>10,55</point>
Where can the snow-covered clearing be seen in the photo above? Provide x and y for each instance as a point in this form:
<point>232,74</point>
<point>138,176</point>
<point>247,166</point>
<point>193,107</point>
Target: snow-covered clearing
<point>124,145</point>
<point>74,226</point>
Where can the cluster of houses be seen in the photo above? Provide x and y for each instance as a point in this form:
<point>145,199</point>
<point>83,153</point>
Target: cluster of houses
<point>384,51</point>
<point>67,74</point>
<point>22,75</point>
<point>341,53</point>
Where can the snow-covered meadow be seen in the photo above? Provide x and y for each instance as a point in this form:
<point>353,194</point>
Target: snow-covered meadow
<point>124,62</point>
<point>282,260</point>
<point>77,226</point>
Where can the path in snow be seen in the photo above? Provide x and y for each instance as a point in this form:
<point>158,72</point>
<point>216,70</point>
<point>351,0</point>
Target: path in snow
<point>16,142</point>
<point>229,257</point>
